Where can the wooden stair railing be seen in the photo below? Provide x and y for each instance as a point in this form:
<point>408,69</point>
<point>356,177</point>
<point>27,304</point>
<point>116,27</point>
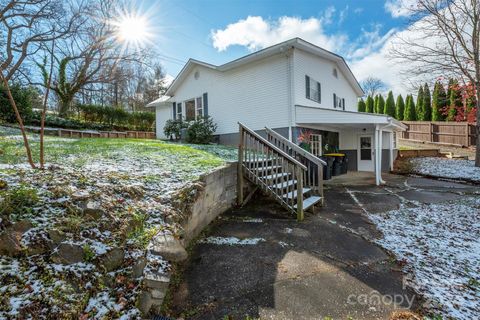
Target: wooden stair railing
<point>313,176</point>
<point>274,171</point>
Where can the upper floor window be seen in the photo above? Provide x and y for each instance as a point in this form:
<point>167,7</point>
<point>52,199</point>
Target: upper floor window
<point>338,103</point>
<point>313,89</point>
<point>335,72</point>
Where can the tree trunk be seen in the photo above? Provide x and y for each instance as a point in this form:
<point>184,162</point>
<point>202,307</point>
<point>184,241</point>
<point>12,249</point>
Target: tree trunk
<point>44,111</point>
<point>477,128</point>
<point>19,120</point>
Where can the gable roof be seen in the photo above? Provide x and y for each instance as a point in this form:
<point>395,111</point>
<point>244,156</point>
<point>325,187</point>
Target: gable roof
<point>267,52</point>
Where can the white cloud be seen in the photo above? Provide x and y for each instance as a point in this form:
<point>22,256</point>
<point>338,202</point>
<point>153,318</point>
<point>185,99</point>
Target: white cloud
<point>343,15</point>
<point>400,8</point>
<point>255,32</point>
<point>358,10</point>
<point>367,55</point>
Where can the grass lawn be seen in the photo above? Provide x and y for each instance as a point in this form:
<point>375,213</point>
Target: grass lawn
<point>72,234</point>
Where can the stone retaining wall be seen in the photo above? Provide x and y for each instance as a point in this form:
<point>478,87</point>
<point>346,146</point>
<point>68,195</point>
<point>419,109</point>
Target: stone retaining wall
<point>197,205</point>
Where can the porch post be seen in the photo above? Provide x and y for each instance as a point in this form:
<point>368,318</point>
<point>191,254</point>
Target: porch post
<point>377,179</point>
<point>380,148</point>
<point>391,151</point>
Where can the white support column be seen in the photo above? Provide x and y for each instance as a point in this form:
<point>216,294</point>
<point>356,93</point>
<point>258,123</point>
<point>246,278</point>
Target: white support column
<point>377,174</point>
<point>391,151</point>
<point>380,148</point>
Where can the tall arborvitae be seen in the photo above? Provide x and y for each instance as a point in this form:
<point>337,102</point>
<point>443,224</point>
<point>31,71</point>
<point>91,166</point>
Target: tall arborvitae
<point>455,100</point>
<point>419,106</point>
<point>369,105</point>
<point>426,104</point>
<point>410,114</point>
<point>439,102</point>
<point>381,104</point>
<point>375,104</point>
<point>389,105</point>
<point>451,82</point>
<point>399,108</point>
<point>361,105</point>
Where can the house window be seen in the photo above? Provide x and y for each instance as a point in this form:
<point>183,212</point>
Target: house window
<point>316,144</point>
<point>179,111</point>
<point>190,110</point>
<point>193,109</point>
<point>199,107</point>
<point>394,140</point>
<point>313,89</point>
<point>335,73</point>
<point>338,102</point>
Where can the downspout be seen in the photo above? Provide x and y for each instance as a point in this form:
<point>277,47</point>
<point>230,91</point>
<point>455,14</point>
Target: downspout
<point>291,90</point>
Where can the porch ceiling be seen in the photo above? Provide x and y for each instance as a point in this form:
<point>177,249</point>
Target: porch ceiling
<point>340,119</point>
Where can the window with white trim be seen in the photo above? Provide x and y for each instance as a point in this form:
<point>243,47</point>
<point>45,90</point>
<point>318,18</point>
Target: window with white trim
<point>179,111</point>
<point>313,89</point>
<point>338,103</point>
<point>199,107</point>
<point>316,144</point>
<point>192,109</point>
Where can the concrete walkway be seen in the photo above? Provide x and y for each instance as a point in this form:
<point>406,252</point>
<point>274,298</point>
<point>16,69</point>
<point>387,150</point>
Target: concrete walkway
<point>322,268</point>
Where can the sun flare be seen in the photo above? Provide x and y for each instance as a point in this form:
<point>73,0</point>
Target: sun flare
<point>132,29</point>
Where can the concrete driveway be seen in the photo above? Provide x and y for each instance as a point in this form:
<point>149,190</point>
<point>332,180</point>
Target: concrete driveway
<point>257,262</point>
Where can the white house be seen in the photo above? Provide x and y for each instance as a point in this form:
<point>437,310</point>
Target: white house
<point>295,88</point>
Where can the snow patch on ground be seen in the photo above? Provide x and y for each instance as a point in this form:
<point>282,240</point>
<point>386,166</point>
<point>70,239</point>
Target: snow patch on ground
<point>446,168</point>
<point>232,241</point>
<point>441,245</point>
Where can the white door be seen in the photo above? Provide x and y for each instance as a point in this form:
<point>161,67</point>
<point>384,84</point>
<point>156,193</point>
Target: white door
<point>365,153</point>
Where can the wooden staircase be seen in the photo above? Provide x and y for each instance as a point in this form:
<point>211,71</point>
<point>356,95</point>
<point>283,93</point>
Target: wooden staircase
<point>283,170</point>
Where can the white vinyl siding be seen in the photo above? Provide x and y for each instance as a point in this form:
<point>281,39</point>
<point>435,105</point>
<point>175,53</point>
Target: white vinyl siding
<point>320,70</point>
<point>255,94</point>
<point>162,114</point>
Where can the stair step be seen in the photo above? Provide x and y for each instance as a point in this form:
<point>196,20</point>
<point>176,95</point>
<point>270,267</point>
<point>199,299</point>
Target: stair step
<point>293,194</point>
<point>283,185</point>
<point>276,176</point>
<point>269,168</point>
<point>307,203</point>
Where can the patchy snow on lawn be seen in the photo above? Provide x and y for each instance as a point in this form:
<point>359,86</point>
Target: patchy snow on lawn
<point>441,247</point>
<point>446,168</point>
<point>95,197</point>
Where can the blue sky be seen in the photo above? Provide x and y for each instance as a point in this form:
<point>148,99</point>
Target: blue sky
<point>218,31</point>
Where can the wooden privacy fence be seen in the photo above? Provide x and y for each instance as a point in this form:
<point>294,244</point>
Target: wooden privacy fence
<point>92,134</point>
<point>105,134</point>
<point>455,133</point>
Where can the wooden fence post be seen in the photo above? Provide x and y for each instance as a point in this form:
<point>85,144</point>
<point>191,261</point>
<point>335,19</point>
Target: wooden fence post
<point>240,167</point>
<point>467,134</point>
<point>430,131</point>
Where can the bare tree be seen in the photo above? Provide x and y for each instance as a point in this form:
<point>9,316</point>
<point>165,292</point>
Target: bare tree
<point>444,40</point>
<point>24,27</point>
<point>371,86</point>
<point>92,59</point>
